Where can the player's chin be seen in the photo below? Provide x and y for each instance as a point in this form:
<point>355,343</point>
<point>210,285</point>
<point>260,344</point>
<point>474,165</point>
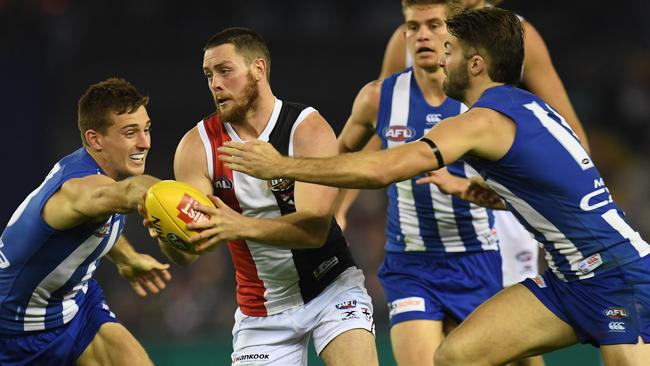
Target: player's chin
<point>429,64</point>
<point>136,169</point>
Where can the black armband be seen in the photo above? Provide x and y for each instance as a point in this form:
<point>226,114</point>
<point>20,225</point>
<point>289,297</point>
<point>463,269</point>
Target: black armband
<point>435,150</point>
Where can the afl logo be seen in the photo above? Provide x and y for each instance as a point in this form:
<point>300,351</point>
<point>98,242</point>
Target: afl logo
<point>398,133</point>
<point>616,313</point>
<point>222,183</point>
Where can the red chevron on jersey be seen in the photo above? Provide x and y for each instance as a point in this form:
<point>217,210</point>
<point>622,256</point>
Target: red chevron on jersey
<point>250,289</point>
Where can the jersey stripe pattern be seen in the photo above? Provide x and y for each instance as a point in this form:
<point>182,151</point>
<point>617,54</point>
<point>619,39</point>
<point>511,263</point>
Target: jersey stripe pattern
<point>44,272</point>
<point>551,185</point>
<point>420,217</point>
<point>271,280</point>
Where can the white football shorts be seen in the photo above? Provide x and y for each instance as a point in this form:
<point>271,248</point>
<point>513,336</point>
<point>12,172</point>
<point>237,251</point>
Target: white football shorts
<point>282,339</point>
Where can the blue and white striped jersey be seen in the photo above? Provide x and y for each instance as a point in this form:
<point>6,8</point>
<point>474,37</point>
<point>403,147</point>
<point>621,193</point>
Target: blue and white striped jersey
<point>420,217</point>
<point>552,186</point>
<point>44,272</point>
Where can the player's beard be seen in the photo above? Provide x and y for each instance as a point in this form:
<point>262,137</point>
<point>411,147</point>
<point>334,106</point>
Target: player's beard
<point>456,82</point>
<point>237,112</point>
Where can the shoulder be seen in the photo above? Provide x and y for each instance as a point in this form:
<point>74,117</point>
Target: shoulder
<point>478,119</point>
<point>314,137</point>
<point>190,141</point>
<point>369,96</point>
<point>313,123</point>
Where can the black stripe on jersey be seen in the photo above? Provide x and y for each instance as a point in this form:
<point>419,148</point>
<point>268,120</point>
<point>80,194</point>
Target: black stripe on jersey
<point>317,268</point>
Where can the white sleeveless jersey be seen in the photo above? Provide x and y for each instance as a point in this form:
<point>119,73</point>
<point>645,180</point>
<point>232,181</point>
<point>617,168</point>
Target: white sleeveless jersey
<point>271,280</point>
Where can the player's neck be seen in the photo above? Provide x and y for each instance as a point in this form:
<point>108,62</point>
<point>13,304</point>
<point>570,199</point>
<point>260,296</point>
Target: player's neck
<point>474,92</point>
<point>103,163</point>
<point>257,119</point>
<point>430,84</point>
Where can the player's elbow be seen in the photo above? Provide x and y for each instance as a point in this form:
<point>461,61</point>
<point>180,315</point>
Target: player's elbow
<point>379,177</point>
<point>317,235</point>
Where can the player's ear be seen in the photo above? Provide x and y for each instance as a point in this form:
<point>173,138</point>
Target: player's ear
<point>476,65</point>
<point>258,68</point>
<point>93,139</point>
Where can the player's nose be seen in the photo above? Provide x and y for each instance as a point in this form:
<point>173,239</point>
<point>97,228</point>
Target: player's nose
<point>144,140</point>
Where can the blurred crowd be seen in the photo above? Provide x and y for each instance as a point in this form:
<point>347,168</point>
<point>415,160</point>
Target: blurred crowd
<point>322,52</point>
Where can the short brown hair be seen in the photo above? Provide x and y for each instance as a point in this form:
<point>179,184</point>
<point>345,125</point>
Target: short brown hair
<point>453,6</point>
<point>498,35</point>
<point>100,100</point>
<point>248,43</point>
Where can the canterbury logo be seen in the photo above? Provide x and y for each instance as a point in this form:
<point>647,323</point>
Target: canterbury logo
<point>617,326</point>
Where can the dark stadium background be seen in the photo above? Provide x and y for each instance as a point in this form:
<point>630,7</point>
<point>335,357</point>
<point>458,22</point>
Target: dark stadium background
<point>322,53</point>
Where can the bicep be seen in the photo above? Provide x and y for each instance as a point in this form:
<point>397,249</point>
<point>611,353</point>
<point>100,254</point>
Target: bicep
<point>191,163</point>
<point>79,200</point>
<point>314,138</point>
<point>453,138</point>
<point>360,126</point>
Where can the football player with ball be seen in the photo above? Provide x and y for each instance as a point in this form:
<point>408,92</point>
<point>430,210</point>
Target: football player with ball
<point>296,278</point>
<point>51,310</point>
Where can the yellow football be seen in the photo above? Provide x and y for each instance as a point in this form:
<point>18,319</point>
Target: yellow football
<point>169,208</point>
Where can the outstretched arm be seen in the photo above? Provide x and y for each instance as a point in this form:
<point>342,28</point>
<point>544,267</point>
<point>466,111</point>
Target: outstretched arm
<point>94,197</point>
<point>541,78</point>
<point>480,132</point>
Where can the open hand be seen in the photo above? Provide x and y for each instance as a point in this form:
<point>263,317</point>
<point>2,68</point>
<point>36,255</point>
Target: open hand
<point>144,273</point>
<point>256,158</point>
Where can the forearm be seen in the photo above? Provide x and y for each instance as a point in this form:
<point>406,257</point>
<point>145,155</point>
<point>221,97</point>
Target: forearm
<point>121,251</point>
<point>122,197</point>
<point>355,170</point>
<point>294,231</point>
<point>346,199</point>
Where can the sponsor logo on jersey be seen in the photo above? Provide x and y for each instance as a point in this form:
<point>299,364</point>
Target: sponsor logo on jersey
<point>350,314</point>
<point>103,231</point>
<point>398,133</point>
<point>616,327</point>
<point>222,183</point>
<point>616,312</point>
<point>350,304</point>
<point>590,263</point>
<point>433,118</point>
<point>325,266</point>
<point>366,312</point>
<point>280,185</point>
<point>186,211</point>
<point>250,358</point>
<point>405,305</point>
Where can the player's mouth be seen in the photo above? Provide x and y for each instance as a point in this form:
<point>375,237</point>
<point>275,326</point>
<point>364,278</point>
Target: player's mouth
<point>138,158</point>
<point>222,101</point>
<point>424,50</point>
